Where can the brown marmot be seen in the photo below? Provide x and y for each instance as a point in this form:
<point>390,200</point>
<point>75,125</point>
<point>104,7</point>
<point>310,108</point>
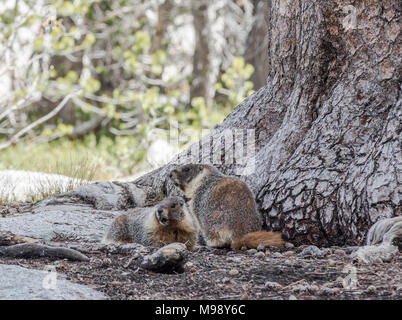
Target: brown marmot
<point>167,222</point>
<point>224,206</point>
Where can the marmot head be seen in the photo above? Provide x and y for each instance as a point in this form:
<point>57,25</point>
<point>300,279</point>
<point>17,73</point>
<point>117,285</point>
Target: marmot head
<point>188,177</point>
<point>169,210</point>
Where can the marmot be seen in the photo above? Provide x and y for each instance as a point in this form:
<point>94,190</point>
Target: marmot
<point>167,222</point>
<point>224,206</point>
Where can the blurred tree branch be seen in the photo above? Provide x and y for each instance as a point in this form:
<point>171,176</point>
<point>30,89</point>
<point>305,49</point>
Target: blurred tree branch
<point>136,65</point>
<point>36,123</point>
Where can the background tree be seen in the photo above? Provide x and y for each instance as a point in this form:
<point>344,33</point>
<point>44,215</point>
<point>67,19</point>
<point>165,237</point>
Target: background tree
<point>201,85</point>
<point>328,122</point>
<point>256,52</point>
<point>110,76</point>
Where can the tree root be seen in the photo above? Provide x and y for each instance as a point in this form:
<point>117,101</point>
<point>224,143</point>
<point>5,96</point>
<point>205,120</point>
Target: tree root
<point>35,250</point>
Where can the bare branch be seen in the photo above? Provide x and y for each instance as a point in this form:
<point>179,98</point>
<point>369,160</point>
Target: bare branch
<point>36,123</point>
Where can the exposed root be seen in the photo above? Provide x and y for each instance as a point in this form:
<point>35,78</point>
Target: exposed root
<point>35,250</point>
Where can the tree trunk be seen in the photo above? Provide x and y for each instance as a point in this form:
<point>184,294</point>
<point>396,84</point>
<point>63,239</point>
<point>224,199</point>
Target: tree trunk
<point>333,167</point>
<point>327,126</point>
<point>161,27</point>
<point>328,122</point>
<point>201,80</point>
<point>257,42</point>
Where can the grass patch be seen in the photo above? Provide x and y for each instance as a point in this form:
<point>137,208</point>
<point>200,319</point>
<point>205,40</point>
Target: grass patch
<point>82,160</point>
<point>5,196</point>
<point>78,173</point>
<point>64,157</point>
<point>68,174</point>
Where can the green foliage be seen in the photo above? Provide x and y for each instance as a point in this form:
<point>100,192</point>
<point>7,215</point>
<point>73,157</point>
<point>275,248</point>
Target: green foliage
<point>88,41</point>
<point>62,156</point>
<point>94,49</point>
<point>235,82</point>
<point>142,42</point>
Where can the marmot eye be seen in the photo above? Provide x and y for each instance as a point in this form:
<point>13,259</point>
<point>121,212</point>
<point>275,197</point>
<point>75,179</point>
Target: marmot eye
<point>186,169</point>
<point>173,205</point>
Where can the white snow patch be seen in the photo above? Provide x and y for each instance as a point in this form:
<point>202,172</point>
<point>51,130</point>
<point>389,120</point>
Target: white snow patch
<point>19,185</point>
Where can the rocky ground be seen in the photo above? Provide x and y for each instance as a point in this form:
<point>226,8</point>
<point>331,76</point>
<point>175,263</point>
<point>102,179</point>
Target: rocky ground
<point>305,272</point>
<point>222,274</point>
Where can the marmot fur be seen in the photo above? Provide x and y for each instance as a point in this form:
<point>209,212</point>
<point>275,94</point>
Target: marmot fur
<point>224,206</point>
<point>167,222</point>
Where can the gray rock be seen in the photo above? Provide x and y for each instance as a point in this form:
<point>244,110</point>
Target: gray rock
<point>289,245</point>
<point>270,285</point>
<point>259,255</point>
<point>168,259</point>
<point>331,262</point>
<point>289,253</point>
<point>276,255</point>
<point>234,272</point>
<point>226,280</point>
<point>288,262</point>
<point>78,221</point>
<point>313,289</point>
<point>299,286</point>
<point>29,284</point>
<point>339,281</point>
<point>326,251</point>
<point>311,251</point>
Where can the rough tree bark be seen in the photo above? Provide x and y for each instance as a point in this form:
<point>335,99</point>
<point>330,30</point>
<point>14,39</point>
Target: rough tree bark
<point>327,125</point>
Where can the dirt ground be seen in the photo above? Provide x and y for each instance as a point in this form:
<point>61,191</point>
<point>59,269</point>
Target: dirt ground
<point>269,273</point>
<point>222,274</point>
